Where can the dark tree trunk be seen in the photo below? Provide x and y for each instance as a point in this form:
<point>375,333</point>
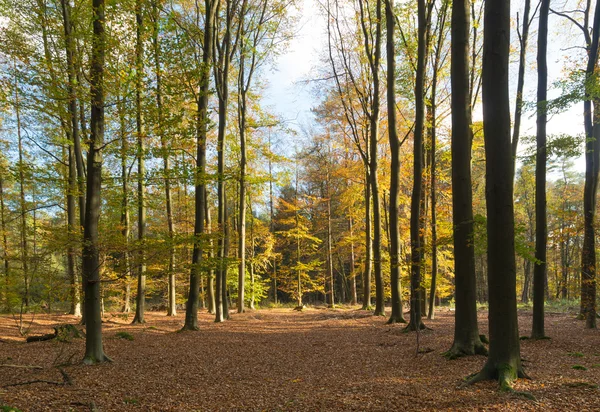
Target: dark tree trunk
<point>202,122</point>
<point>4,244</point>
<point>94,352</point>
<point>592,164</point>
<point>541,224</point>
<point>354,297</point>
<point>394,228</point>
<point>416,198</point>
<point>526,281</point>
<point>125,224</point>
<point>504,360</point>
<point>466,331</point>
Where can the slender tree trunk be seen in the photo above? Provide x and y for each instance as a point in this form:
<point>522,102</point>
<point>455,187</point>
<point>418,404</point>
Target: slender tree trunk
<point>202,122</point>
<point>4,244</point>
<point>366,284</point>
<point>523,38</point>
<point>394,228</point>
<point>171,289</point>
<point>352,264</point>
<point>140,299</point>
<point>433,132</point>
<point>210,277</point>
<point>329,244</point>
<point>466,331</point>
<point>74,132</point>
<point>526,281</point>
<point>541,223</point>
<point>125,224</point>
<point>504,359</point>
<point>415,209</point>
<point>272,221</point>
<point>94,352</point>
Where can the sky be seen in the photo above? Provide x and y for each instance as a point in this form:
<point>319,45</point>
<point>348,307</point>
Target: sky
<point>290,95</point>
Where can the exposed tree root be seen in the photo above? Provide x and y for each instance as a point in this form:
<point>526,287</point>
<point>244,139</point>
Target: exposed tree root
<point>505,374</point>
<point>367,307</point>
<point>411,327</point>
<point>396,319</point>
<point>187,328</point>
<point>90,360</point>
<point>460,350</point>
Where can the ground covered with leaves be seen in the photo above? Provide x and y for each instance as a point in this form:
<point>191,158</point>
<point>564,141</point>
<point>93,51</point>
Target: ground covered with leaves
<point>283,360</point>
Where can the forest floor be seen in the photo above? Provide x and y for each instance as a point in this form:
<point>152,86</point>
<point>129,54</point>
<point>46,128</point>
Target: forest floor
<point>282,360</point>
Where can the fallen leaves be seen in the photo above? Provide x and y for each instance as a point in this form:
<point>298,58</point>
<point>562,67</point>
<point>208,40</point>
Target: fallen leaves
<point>282,359</point>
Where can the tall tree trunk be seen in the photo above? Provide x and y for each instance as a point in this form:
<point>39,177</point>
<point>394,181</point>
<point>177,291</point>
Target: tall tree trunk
<point>526,281</point>
<point>125,223</point>
<point>74,132</point>
<point>504,359</point>
<point>330,273</point>
<point>202,122</point>
<point>541,224</point>
<point>466,331</point>
<point>140,299</point>
<point>94,351</point>
<point>171,289</point>
<point>22,202</point>
<point>592,164</point>
<point>221,70</point>
<point>433,131</point>
<point>394,228</point>
<point>415,209</point>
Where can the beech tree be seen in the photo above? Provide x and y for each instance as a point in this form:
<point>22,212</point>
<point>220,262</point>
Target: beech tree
<point>504,359</point>
<point>94,351</point>
<point>466,331</point>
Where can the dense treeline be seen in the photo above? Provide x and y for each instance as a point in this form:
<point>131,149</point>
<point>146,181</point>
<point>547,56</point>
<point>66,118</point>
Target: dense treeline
<point>140,168</point>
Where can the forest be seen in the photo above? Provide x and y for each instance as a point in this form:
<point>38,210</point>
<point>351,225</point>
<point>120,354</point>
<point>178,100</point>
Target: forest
<point>149,186</point>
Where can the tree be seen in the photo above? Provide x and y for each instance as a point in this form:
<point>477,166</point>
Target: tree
<point>94,352</point>
<point>466,331</point>
<point>504,359</point>
<point>202,122</point>
<point>541,221</point>
<point>592,166</point>
<point>397,315</point>
<point>141,189</point>
<point>416,297</point>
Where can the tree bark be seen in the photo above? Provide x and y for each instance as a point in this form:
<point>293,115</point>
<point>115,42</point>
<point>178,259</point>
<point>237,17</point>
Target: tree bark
<point>592,164</point>
<point>466,330</point>
<point>415,322</point>
<point>94,352</point>
<point>504,359</point>
<point>202,122</point>
<point>541,223</point>
<point>397,315</point>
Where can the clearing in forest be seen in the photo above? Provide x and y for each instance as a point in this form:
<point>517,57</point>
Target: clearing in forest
<point>282,360</point>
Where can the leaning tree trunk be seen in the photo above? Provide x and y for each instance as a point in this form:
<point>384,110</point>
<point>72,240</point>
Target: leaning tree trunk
<point>94,351</point>
<point>504,359</point>
<point>394,229</point>
<point>541,224</point>
<point>466,331</point>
